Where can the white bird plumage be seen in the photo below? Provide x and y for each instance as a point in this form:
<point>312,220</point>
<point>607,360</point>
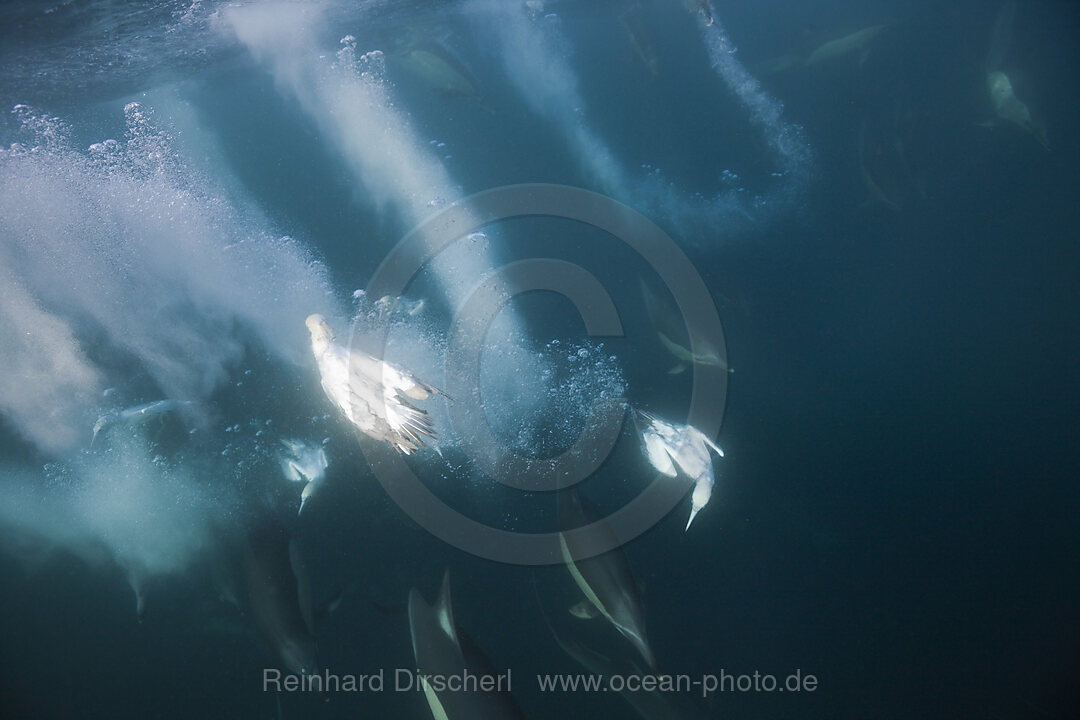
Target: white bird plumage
<point>305,464</point>
<point>668,446</point>
<point>371,392</point>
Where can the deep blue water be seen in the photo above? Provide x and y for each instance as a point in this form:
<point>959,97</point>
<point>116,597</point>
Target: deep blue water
<point>894,264</point>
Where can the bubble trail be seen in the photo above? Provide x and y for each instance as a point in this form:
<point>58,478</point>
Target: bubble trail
<point>350,99</point>
<point>535,58</point>
<point>122,268</point>
<point>786,140</point>
<point>122,250</point>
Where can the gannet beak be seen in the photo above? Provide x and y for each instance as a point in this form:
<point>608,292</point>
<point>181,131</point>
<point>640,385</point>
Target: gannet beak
<point>693,514</point>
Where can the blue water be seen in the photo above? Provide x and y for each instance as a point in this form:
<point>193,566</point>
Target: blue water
<point>893,262</point>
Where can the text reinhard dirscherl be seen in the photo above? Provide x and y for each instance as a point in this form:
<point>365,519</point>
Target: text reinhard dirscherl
<point>404,680</point>
<point>412,680</point>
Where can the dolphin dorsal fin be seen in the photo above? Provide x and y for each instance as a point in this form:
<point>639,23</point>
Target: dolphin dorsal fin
<point>682,353</point>
<point>445,611</point>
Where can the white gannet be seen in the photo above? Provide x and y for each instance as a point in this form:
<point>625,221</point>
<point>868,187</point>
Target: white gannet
<point>303,463</point>
<point>668,446</point>
<point>371,392</point>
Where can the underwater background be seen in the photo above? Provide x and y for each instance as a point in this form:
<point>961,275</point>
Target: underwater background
<point>888,239</point>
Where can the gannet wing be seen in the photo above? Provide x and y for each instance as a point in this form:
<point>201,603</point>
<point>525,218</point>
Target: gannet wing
<point>671,434</point>
<point>293,446</point>
<point>408,383</point>
<point>689,451</point>
<point>387,374</point>
<point>420,390</point>
<point>374,395</point>
<point>389,416</point>
<point>710,443</point>
<point>291,470</point>
<point>363,410</point>
<point>657,450</point>
<point>320,458</point>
